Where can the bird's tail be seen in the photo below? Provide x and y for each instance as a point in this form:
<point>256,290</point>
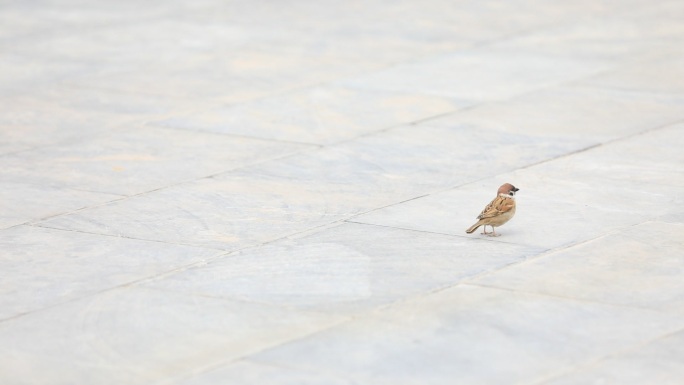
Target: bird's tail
<point>474,227</point>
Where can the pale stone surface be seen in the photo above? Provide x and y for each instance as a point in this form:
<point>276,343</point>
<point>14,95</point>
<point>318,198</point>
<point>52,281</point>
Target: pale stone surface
<point>226,213</point>
<point>345,269</point>
<point>481,74</point>
<point>276,192</point>
<point>247,372</point>
<point>45,267</point>
<point>131,161</point>
<point>139,336</point>
<point>572,112</point>
<point>276,199</point>
<point>542,219</point>
<point>639,266</point>
<point>316,115</point>
<point>459,332</point>
<point>659,362</point>
<point>233,76</point>
<point>22,203</point>
<point>663,76</point>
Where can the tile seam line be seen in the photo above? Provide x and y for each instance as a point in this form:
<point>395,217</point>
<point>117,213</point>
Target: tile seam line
<point>220,254</point>
<point>588,365</point>
<point>231,135</point>
<point>575,82</point>
<point>287,307</point>
<point>444,234</point>
<point>466,283</point>
<point>180,183</point>
<point>454,187</point>
<point>43,226</point>
<point>609,142</point>
<point>246,356</point>
<point>478,102</point>
<point>530,165</point>
<point>551,295</point>
<point>478,44</point>
<point>475,103</point>
<point>551,251</point>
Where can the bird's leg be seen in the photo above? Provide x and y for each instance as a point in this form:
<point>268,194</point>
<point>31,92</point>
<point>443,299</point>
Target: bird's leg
<point>493,233</point>
<point>484,230</point>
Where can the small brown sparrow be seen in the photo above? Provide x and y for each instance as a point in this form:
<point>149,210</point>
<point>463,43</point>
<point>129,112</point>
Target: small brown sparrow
<point>498,211</point>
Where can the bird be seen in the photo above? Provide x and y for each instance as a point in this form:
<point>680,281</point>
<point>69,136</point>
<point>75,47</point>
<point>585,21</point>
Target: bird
<point>499,211</point>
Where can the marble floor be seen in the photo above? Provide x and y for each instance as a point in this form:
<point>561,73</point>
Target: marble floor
<point>276,192</point>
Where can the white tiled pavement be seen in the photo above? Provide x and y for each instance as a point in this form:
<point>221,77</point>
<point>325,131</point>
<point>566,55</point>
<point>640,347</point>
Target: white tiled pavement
<point>276,192</point>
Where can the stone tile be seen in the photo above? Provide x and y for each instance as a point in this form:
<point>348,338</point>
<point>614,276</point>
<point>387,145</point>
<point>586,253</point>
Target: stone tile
<point>44,267</point>
<point>572,112</point>
<point>61,115</point>
<point>661,75</point>
<point>317,115</point>
<point>398,31</point>
<point>168,42</point>
<point>246,372</point>
<point>21,203</point>
<point>379,40</point>
<point>139,336</point>
<point>620,38</point>
<point>677,216</point>
<point>130,161</point>
<point>638,266</point>
<point>659,362</point>
<point>117,107</point>
<point>225,213</point>
<point>285,29</point>
<point>75,16</point>
<point>456,335</point>
<point>18,72</point>
<point>346,269</point>
<point>650,162</point>
<point>236,76</point>
<point>479,74</point>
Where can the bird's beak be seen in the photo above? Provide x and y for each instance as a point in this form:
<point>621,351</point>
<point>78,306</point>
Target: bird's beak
<point>515,189</point>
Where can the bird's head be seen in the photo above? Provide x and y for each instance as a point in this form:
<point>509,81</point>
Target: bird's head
<point>507,189</point>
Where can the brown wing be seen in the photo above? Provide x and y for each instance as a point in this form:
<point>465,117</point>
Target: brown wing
<point>497,207</point>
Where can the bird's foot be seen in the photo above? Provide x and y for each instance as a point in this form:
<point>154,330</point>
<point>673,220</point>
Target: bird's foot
<point>493,234</point>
